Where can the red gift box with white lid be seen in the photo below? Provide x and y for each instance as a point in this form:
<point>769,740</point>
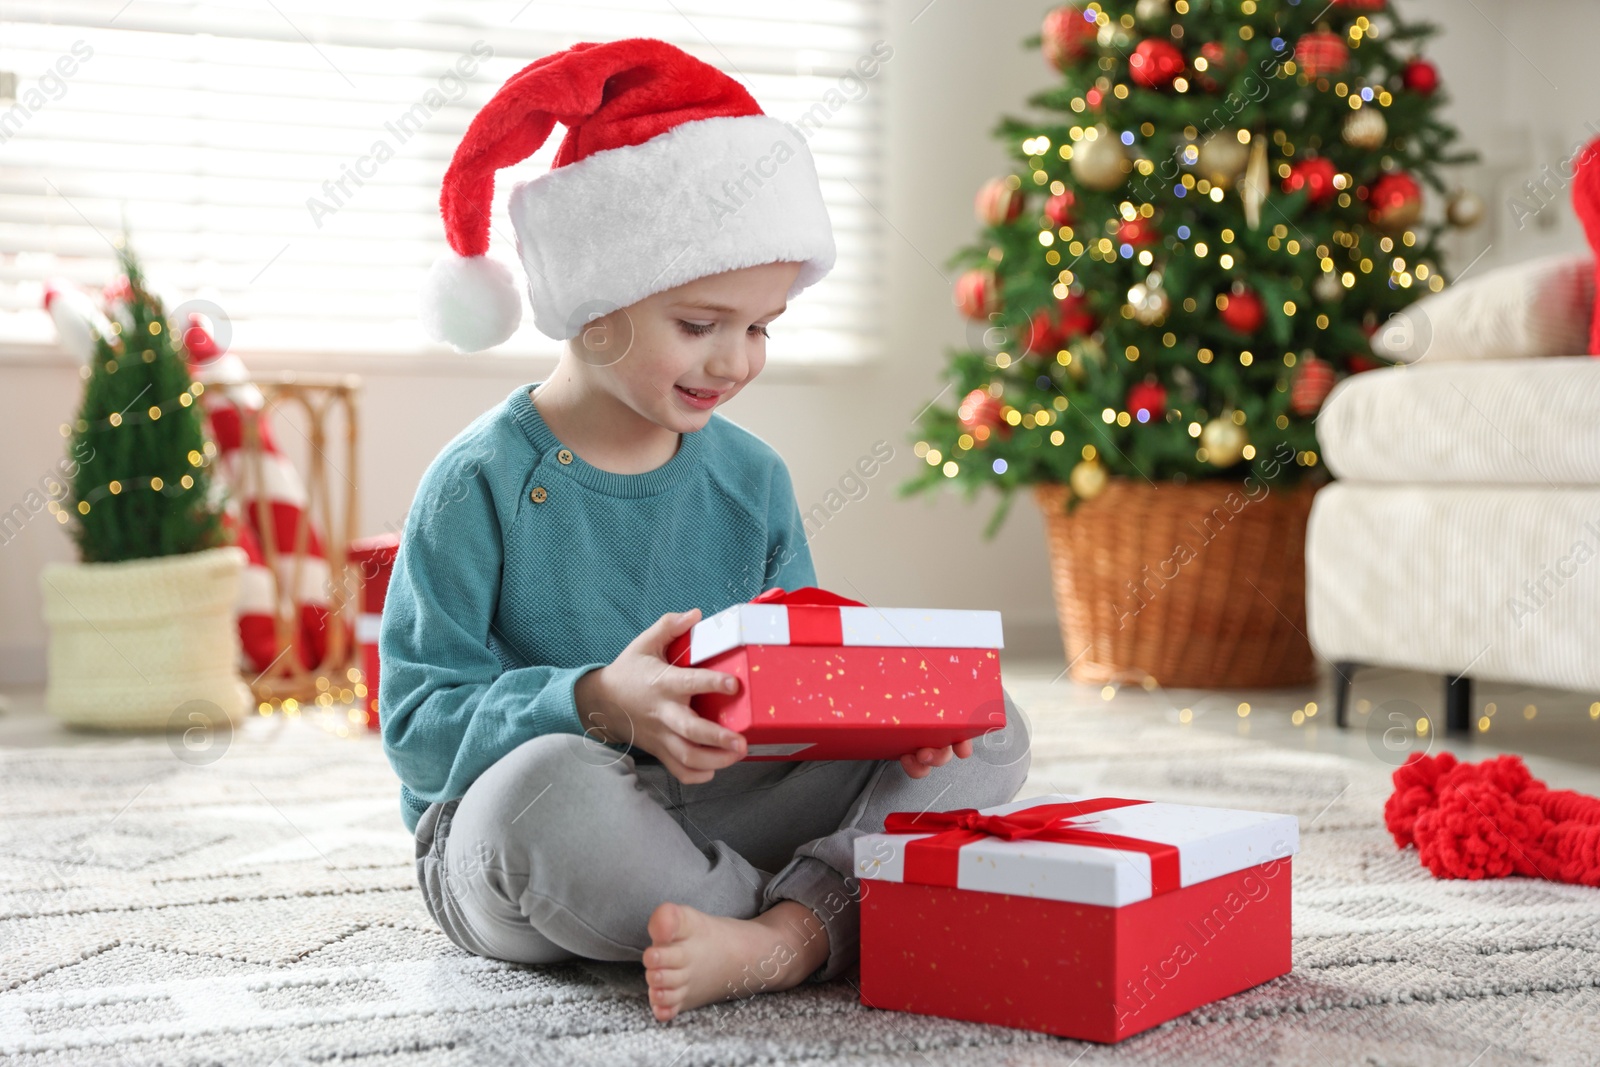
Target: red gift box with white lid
<point>826,677</point>
<point>1086,917</point>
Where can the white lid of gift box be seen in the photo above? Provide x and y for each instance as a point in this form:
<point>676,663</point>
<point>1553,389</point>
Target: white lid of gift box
<point>768,624</point>
<point>1211,842</point>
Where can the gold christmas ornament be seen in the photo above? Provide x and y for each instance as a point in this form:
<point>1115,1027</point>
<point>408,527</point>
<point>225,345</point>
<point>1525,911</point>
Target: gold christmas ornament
<point>1149,301</point>
<point>1221,158</point>
<point>1224,441</point>
<point>1100,163</point>
<point>1465,208</point>
<point>1365,129</point>
<point>1254,189</point>
<point>1088,479</point>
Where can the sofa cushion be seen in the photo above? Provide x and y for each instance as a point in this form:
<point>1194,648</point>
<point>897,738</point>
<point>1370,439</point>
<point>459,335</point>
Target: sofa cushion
<point>1533,422</point>
<point>1539,308</point>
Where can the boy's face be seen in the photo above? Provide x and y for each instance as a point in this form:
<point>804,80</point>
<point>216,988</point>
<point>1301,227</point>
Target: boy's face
<point>708,335</point>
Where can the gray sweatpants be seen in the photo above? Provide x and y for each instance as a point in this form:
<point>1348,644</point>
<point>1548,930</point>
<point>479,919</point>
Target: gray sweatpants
<point>565,846</point>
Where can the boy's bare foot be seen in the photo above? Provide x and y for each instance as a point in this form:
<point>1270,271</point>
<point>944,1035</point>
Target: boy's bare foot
<point>696,959</point>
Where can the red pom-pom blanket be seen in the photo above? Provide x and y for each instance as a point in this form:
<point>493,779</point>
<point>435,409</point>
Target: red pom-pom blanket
<point>1492,819</point>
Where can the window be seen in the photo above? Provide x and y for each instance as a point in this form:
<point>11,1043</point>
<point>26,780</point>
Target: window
<point>217,130</point>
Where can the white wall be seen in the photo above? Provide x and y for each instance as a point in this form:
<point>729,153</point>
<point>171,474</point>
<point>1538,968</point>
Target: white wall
<point>957,66</point>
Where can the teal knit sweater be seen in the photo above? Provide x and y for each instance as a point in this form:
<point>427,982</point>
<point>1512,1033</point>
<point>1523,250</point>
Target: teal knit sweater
<point>522,568</point>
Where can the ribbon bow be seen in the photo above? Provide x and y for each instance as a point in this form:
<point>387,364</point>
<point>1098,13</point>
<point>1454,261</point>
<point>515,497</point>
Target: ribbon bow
<point>813,613</point>
<point>934,860</point>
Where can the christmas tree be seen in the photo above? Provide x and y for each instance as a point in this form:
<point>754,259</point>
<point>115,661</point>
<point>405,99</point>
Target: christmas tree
<point>141,485</point>
<point>1225,205</point>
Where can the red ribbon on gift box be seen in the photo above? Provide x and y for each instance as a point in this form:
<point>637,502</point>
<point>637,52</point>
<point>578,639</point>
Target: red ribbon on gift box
<point>813,613</point>
<point>934,860</point>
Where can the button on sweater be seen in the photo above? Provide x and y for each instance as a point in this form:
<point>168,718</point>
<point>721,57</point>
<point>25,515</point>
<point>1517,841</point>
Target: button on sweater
<point>522,568</point>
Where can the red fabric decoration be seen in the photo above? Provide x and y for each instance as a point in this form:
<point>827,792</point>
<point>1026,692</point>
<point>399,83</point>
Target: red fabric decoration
<point>1493,819</point>
<point>280,502</point>
<point>1586,202</point>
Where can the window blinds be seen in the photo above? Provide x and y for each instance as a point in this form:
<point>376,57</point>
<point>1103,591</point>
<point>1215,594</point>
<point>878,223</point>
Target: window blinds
<point>281,159</point>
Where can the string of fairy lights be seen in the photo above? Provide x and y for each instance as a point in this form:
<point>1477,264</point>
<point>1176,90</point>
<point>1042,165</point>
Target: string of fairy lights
<point>120,420</point>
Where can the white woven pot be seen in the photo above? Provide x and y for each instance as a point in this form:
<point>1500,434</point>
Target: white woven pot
<point>132,643</point>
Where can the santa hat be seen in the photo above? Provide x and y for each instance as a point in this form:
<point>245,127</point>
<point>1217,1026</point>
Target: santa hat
<point>669,171</point>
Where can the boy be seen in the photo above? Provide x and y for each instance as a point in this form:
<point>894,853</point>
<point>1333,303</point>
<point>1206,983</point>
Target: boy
<point>566,799</point>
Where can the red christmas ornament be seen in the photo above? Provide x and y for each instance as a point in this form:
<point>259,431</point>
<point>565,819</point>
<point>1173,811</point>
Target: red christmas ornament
<point>1049,332</point>
<point>1361,5</point>
<point>1362,363</point>
<point>1313,381</point>
<point>1075,317</point>
<point>1221,62</point>
<point>1137,232</point>
<point>998,202</point>
<point>1242,310</point>
<point>1149,398</point>
<point>1067,36</point>
<point>1394,201</point>
<point>979,409</point>
<point>1155,63</point>
<point>1314,175</point>
<point>1420,76</point>
<point>1321,54</point>
<point>1058,209</point>
<point>1044,338</point>
<point>977,293</point>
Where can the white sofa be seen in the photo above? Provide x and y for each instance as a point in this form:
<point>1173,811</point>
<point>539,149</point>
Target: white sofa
<point>1462,535</point>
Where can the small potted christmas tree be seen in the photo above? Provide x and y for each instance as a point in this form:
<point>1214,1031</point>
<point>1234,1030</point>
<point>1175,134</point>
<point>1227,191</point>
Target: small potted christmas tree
<point>1223,202</point>
<point>142,631</point>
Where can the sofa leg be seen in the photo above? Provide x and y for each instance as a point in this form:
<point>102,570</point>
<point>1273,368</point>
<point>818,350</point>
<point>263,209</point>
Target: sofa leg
<point>1458,706</point>
<point>1344,672</point>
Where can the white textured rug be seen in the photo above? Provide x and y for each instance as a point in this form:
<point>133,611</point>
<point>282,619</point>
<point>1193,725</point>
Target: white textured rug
<point>261,909</point>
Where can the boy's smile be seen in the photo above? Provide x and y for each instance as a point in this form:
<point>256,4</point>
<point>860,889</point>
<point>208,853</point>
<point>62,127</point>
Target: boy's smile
<point>634,380</point>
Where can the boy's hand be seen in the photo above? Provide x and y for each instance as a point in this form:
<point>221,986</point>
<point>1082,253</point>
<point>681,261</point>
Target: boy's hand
<point>919,763</point>
<point>642,700</point>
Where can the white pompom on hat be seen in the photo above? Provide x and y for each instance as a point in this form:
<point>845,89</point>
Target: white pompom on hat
<point>669,171</point>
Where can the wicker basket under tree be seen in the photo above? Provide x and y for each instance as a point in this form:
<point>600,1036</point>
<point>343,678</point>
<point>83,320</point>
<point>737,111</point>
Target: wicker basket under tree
<point>1218,207</point>
<point>142,630</point>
